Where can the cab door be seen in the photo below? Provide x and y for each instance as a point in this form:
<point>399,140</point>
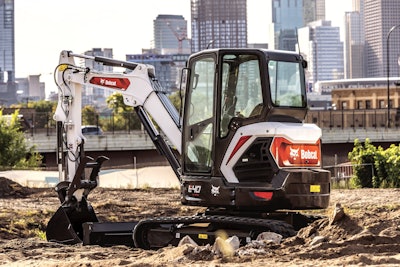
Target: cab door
<point>199,121</point>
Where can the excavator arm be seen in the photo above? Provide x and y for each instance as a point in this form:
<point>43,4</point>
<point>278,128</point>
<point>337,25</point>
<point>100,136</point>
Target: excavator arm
<point>141,90</point>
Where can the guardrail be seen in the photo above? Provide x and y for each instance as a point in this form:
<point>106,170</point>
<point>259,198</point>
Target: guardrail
<point>354,118</point>
<point>338,126</point>
<point>40,122</point>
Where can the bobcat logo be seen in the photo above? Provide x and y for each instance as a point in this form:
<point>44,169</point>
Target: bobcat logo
<point>215,190</point>
<point>294,153</point>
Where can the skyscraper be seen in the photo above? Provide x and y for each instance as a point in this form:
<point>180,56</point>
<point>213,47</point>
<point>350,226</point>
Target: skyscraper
<point>354,45</point>
<point>218,24</point>
<point>93,95</point>
<point>313,10</point>
<point>379,17</point>
<point>288,16</point>
<point>321,46</point>
<point>7,54</point>
<point>170,35</point>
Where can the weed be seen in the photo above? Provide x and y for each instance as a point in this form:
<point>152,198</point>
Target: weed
<point>39,233</point>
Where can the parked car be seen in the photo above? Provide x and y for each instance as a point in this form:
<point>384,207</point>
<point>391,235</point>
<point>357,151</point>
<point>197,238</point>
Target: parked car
<point>91,130</point>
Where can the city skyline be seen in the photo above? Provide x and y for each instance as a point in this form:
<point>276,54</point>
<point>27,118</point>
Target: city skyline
<point>91,24</point>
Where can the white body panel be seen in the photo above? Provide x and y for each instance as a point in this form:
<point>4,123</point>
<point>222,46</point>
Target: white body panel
<point>295,132</point>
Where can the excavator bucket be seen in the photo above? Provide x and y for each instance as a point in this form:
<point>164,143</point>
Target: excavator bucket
<point>66,224</point>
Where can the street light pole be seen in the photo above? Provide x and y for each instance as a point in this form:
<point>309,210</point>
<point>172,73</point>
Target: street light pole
<point>388,74</point>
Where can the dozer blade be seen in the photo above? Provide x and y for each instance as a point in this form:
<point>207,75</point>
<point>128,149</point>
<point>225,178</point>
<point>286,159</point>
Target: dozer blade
<point>66,224</point>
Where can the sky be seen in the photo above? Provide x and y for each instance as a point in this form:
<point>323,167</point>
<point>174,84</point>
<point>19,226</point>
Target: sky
<point>43,28</point>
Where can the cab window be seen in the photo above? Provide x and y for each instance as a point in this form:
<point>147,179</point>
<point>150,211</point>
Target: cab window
<point>241,94</point>
<point>286,84</point>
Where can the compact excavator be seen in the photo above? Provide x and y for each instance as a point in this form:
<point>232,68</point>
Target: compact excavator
<point>238,145</point>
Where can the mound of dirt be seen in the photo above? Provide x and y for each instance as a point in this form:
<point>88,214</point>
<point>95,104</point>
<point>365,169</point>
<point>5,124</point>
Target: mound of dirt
<point>10,188</point>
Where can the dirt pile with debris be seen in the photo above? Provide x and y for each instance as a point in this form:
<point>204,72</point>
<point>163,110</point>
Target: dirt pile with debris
<point>361,227</point>
<point>10,188</point>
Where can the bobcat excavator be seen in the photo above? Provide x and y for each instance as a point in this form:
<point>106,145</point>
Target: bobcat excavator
<point>238,146</point>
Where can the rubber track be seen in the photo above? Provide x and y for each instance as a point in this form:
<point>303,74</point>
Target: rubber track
<point>233,222</point>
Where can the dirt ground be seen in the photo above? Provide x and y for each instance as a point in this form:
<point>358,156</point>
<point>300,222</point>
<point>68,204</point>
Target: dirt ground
<point>368,234</point>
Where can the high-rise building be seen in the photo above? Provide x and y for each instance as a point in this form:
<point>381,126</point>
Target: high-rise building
<point>167,67</point>
<point>218,24</point>
<point>170,35</point>
<point>322,48</point>
<point>98,52</point>
<point>30,89</point>
<point>379,17</point>
<point>313,10</point>
<point>354,42</point>
<point>94,95</point>
<point>8,87</point>
<point>7,51</point>
<point>288,16</point>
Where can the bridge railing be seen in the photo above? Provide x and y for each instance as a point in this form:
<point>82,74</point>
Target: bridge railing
<point>43,123</point>
<point>354,118</point>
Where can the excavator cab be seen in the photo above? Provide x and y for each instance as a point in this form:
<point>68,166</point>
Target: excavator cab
<point>231,89</point>
<point>244,112</point>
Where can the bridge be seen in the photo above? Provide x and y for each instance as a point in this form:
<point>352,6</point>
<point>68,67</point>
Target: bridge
<point>339,130</point>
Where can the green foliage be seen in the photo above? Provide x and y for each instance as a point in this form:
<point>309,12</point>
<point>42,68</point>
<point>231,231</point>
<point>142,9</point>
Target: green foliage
<point>44,110</point>
<point>386,165</point>
<point>123,116</point>
<point>392,167</point>
<point>39,106</point>
<point>13,149</point>
<point>362,157</point>
<point>90,116</point>
<point>380,167</point>
<point>43,106</point>
<point>175,99</point>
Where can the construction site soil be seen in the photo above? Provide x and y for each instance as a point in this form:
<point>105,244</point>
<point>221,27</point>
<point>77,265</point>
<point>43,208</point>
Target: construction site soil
<point>368,233</point>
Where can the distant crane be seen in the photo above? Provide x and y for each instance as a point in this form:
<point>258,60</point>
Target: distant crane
<point>179,36</point>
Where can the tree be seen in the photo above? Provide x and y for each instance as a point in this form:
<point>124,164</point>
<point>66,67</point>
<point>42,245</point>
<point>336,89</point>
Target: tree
<point>90,116</point>
<point>43,110</point>
<point>375,167</point>
<point>363,158</point>
<point>123,117</point>
<point>389,163</point>
<point>14,152</point>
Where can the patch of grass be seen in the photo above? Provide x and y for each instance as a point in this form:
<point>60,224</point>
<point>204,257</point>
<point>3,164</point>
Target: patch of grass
<point>391,206</point>
<point>342,184</point>
<point>39,233</point>
<point>29,223</point>
<point>113,218</point>
<point>145,186</point>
